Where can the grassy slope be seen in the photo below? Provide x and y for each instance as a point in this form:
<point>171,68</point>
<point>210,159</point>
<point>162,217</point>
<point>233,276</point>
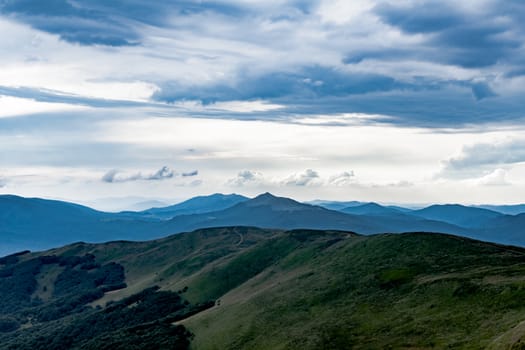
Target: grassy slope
<point>329,290</point>
<point>403,291</point>
<point>169,262</point>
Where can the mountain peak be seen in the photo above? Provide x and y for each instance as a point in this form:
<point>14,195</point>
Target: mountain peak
<point>372,205</point>
<point>197,205</point>
<point>268,199</point>
<point>370,208</point>
<point>266,195</point>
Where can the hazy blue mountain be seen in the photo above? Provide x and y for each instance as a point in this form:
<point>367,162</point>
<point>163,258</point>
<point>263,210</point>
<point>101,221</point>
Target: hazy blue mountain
<point>33,223</point>
<point>335,205</point>
<point>401,209</point>
<point>145,205</point>
<point>370,209</point>
<point>458,215</point>
<point>127,203</point>
<point>508,229</point>
<point>268,211</point>
<point>504,209</point>
<point>343,206</point>
<point>195,205</point>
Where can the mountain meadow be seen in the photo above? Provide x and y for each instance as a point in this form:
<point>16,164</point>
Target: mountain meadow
<point>251,288</point>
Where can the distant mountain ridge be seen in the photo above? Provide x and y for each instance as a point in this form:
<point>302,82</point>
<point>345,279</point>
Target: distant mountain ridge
<point>370,209</point>
<point>458,214</point>
<point>335,205</point>
<point>195,205</point>
<point>505,209</point>
<point>268,211</point>
<point>35,224</point>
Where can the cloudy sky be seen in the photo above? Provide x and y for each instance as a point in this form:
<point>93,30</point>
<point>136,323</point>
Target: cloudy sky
<point>394,101</point>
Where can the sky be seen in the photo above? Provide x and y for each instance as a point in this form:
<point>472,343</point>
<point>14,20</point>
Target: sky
<point>405,101</point>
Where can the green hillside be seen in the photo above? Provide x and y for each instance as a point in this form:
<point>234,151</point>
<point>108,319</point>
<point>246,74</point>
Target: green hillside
<point>247,288</point>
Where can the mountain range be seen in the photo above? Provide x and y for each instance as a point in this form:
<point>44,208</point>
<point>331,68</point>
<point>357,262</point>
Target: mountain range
<point>36,224</point>
<point>505,209</point>
<point>196,205</point>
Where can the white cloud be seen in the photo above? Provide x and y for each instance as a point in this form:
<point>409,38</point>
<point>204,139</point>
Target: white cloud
<point>246,177</point>
<point>483,156</point>
<point>206,52</point>
<point>13,106</point>
<point>229,106</point>
<point>114,175</point>
<point>245,106</point>
<point>341,119</point>
<point>343,12</point>
<point>346,178</point>
<point>307,178</point>
<point>497,177</point>
<point>45,62</point>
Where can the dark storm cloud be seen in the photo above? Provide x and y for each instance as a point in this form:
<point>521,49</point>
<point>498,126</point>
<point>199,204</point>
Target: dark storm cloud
<point>487,43</point>
<point>311,82</point>
<point>454,37</point>
<point>100,22</point>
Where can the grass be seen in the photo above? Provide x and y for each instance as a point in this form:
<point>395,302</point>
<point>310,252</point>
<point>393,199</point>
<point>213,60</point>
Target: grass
<point>373,292</point>
<point>306,289</point>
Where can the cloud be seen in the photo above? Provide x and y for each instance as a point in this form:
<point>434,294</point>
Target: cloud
<point>398,184</point>
<point>194,183</point>
<point>425,17</point>
<point>310,81</point>
<point>82,22</point>
<point>470,39</point>
<point>161,174</point>
<point>60,97</point>
<point>481,155</point>
<point>401,184</point>
<point>418,62</point>
<point>114,176</point>
<point>497,177</point>
<point>310,178</point>
<point>13,106</point>
<point>110,176</point>
<point>420,102</point>
<point>117,23</point>
<point>320,82</point>
<point>482,90</point>
<point>343,179</point>
<point>307,178</point>
<point>246,177</point>
<point>190,173</point>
